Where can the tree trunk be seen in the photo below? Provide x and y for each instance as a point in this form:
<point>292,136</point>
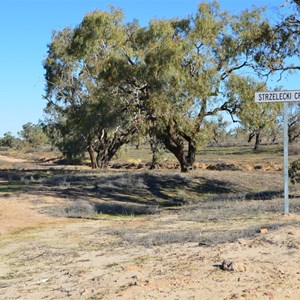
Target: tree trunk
<point>176,146</point>
<point>182,160</point>
<point>251,136</point>
<point>191,156</point>
<point>93,160</point>
<point>108,148</point>
<point>101,160</point>
<point>155,150</point>
<point>106,153</point>
<point>178,152</point>
<point>112,151</point>
<point>257,141</point>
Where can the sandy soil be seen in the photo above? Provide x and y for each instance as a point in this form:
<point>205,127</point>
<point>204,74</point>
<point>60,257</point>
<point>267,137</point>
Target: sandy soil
<point>43,257</point>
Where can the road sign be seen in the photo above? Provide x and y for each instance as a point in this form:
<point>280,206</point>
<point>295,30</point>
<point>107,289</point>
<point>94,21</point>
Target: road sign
<point>282,96</point>
<point>277,96</point>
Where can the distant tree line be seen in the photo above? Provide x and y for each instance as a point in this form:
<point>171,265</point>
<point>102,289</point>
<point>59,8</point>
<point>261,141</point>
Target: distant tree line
<point>31,135</point>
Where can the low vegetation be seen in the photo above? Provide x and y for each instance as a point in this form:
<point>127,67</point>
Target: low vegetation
<point>227,182</point>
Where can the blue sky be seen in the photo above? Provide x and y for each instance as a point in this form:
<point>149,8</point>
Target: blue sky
<point>25,30</point>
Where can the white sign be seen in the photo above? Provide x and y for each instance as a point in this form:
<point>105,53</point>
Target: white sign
<point>278,96</point>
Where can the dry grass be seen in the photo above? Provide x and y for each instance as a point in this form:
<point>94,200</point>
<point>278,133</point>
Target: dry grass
<point>200,197</point>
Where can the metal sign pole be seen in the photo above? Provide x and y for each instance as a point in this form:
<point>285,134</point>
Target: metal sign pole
<point>286,158</point>
<point>285,97</point>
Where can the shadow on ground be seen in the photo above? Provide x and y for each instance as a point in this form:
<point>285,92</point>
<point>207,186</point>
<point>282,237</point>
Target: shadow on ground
<point>121,193</point>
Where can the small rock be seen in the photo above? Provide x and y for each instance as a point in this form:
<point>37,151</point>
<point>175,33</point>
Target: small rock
<point>233,266</point>
<point>263,230</point>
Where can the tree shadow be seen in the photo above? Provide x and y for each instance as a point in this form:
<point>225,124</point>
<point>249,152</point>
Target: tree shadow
<point>123,192</point>
<point>116,209</point>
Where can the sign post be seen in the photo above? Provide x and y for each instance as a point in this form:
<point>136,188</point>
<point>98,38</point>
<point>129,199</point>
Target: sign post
<point>286,158</point>
<point>286,97</point>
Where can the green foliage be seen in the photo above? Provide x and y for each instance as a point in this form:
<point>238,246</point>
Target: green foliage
<point>216,130</point>
<point>189,65</point>
<point>90,107</point>
<point>256,118</point>
<point>33,135</point>
<point>108,82</point>
<point>8,140</point>
<point>294,171</point>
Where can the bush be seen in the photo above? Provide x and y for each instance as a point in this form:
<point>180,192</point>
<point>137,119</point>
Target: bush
<point>33,134</point>
<point>9,141</point>
<point>295,167</point>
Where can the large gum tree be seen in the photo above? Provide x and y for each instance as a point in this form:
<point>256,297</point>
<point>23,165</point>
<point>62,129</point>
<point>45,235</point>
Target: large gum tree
<point>256,118</point>
<point>107,80</point>
<point>86,110</point>
<point>188,63</point>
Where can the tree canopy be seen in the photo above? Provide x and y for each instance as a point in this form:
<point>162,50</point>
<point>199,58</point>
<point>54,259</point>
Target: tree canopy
<point>108,81</point>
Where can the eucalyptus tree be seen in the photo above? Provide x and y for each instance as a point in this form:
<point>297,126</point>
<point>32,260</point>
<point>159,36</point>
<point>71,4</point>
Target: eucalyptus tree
<point>256,118</point>
<point>33,134</point>
<point>85,107</point>
<point>187,65</point>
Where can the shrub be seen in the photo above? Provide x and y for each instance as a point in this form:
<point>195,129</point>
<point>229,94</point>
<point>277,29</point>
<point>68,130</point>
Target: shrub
<point>295,167</point>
